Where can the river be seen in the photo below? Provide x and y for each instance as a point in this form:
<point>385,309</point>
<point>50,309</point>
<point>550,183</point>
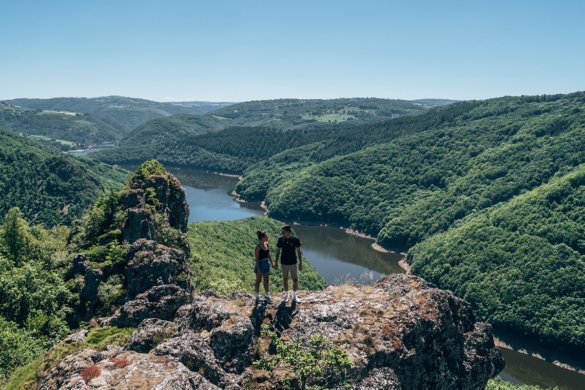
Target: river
<point>340,257</point>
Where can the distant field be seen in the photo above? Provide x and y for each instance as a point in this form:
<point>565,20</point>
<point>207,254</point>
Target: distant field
<point>331,117</point>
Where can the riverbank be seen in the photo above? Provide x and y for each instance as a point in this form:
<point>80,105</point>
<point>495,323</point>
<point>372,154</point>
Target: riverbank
<point>520,367</point>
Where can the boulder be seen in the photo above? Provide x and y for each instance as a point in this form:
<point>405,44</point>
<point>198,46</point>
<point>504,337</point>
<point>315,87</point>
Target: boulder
<point>150,264</point>
<point>140,223</point>
<point>159,302</point>
<point>150,333</point>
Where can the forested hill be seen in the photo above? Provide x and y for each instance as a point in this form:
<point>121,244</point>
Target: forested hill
<point>61,129</point>
<point>521,262</point>
<point>123,113</point>
<point>234,137</point>
<point>49,187</point>
<point>434,178</point>
<point>288,114</point>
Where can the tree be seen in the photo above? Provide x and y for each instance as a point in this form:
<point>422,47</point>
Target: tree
<point>15,235</point>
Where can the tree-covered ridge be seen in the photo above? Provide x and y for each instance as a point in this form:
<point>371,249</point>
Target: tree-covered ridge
<point>426,181</point>
<point>123,113</point>
<point>294,113</point>
<point>422,181</point>
<point>60,129</point>
<point>222,256</point>
<point>49,187</point>
<point>200,144</point>
<point>520,262</point>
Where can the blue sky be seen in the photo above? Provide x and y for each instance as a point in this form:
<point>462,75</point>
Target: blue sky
<point>243,50</point>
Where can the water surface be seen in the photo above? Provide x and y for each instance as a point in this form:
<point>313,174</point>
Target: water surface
<point>340,257</point>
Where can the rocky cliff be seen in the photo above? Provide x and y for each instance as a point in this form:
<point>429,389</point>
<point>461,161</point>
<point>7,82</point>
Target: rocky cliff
<point>401,333</point>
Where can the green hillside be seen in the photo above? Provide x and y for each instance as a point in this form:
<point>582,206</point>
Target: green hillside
<point>231,139</point>
<point>520,262</point>
<point>49,187</point>
<point>425,181</point>
<point>121,112</point>
<point>288,114</point>
<point>59,129</point>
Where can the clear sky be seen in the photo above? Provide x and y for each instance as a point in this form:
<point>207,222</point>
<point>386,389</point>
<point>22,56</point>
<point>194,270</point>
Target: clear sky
<point>239,50</point>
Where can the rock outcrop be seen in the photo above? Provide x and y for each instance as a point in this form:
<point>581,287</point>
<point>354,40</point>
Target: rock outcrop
<point>150,215</point>
<point>402,333</point>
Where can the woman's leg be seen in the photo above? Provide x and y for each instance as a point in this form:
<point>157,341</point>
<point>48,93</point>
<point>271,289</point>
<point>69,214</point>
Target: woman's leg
<point>265,278</point>
<point>258,278</point>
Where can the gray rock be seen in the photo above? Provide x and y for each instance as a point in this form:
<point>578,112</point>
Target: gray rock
<point>150,333</point>
<point>151,264</point>
<point>233,345</point>
<point>139,223</point>
<point>194,352</point>
<point>159,302</point>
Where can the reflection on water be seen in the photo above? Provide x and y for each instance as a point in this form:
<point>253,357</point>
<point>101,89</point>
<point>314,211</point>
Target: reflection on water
<point>209,197</point>
<point>340,257</point>
<point>521,368</point>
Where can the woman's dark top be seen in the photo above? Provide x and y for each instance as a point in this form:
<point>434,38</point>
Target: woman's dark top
<point>263,253</point>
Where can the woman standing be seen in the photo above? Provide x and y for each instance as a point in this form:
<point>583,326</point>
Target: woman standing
<point>263,264</point>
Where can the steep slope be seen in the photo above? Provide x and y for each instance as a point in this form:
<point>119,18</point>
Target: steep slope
<point>530,277</point>
<point>49,187</point>
<point>65,129</point>
<point>123,113</point>
<point>406,190</point>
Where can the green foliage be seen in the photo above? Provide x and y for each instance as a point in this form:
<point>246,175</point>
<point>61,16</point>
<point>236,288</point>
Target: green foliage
<point>34,300</point>
<point>147,169</point>
<point>59,129</point>
<point>316,363</point>
<point>234,137</point>
<point>123,113</point>
<point>15,236</point>
<point>49,187</point>
<point>110,295</point>
<point>17,347</point>
<point>97,338</point>
<point>521,262</point>
<point>500,384</point>
<point>222,256</point>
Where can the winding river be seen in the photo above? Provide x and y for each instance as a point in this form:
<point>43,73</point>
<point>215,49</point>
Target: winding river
<point>340,257</point>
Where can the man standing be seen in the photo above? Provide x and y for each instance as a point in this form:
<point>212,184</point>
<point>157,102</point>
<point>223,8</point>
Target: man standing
<point>290,246</point>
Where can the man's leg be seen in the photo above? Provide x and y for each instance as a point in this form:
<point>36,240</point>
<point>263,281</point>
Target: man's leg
<point>295,277</point>
<point>285,272</point>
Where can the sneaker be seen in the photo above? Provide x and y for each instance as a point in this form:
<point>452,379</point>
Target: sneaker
<point>258,297</point>
<point>296,298</point>
<point>268,298</point>
<point>285,296</point>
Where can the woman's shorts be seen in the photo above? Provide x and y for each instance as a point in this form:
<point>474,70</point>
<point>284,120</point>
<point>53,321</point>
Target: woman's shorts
<point>264,267</point>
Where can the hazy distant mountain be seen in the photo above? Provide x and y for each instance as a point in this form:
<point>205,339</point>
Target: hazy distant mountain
<point>60,129</point>
<point>434,102</point>
<point>123,113</point>
<point>207,140</point>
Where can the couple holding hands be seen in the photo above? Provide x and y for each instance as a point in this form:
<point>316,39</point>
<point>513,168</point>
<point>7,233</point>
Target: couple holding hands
<point>288,250</point>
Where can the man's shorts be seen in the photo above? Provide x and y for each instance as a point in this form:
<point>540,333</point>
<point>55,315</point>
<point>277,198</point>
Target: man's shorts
<point>290,269</point>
